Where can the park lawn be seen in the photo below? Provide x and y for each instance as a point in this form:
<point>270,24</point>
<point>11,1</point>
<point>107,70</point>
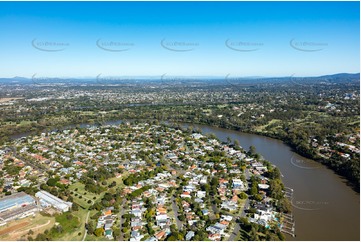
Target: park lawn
<point>81,214</point>
<point>119,180</point>
<point>311,116</point>
<point>85,112</point>
<point>26,122</point>
<point>84,200</point>
<point>261,128</point>
<point>222,105</point>
<point>92,237</point>
<point>69,225</point>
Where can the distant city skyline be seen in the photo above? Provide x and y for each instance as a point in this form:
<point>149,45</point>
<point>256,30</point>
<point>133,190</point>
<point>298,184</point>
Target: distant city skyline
<point>201,39</point>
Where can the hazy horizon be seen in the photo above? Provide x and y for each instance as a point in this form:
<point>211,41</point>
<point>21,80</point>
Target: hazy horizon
<point>181,76</point>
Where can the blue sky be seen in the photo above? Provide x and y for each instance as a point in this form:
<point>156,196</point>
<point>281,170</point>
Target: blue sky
<point>178,38</point>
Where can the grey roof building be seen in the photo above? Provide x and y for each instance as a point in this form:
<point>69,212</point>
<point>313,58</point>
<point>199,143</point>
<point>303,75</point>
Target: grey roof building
<point>15,201</point>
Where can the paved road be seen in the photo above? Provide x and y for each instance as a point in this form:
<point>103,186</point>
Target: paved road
<point>235,232</point>
<point>246,206</point>
<point>30,163</point>
<point>86,221</point>
<point>247,174</point>
<point>214,208</point>
<point>237,227</point>
<point>122,210</point>
<point>175,209</point>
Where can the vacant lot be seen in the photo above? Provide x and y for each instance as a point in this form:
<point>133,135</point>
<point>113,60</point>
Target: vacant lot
<point>18,228</point>
<point>7,99</point>
<point>13,228</point>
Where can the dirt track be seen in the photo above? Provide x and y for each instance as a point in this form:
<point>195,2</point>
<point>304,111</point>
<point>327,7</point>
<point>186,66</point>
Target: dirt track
<point>13,228</point>
<point>3,100</point>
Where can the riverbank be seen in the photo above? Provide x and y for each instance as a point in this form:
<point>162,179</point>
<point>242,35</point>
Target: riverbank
<point>349,181</point>
<point>324,208</point>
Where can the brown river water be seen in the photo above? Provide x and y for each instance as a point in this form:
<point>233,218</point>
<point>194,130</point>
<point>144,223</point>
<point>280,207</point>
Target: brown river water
<point>324,207</point>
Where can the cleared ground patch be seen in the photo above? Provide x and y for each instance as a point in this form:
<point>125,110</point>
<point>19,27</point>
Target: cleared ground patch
<point>18,228</point>
<point>13,228</point>
<point>7,99</point>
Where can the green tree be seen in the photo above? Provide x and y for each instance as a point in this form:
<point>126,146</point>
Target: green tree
<point>99,232</point>
<point>252,150</point>
<point>75,207</point>
<point>51,182</point>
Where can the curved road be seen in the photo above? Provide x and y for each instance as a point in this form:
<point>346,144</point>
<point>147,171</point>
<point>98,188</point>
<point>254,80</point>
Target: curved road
<point>86,221</point>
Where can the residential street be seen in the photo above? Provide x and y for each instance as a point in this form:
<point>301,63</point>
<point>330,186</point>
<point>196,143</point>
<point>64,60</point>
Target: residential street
<point>121,213</point>
<point>235,232</point>
<point>86,221</point>
<point>175,210</point>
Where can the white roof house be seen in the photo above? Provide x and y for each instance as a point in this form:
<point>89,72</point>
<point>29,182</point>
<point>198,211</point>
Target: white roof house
<point>238,183</point>
<point>47,199</point>
<point>201,194</point>
<point>263,186</point>
<point>189,235</point>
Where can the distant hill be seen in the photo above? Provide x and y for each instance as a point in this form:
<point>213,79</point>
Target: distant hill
<point>233,79</point>
<point>15,79</point>
<point>342,76</point>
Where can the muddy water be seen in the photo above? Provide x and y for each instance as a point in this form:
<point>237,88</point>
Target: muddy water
<point>324,207</point>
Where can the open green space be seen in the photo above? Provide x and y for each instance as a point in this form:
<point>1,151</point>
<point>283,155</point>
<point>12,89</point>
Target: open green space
<point>78,188</point>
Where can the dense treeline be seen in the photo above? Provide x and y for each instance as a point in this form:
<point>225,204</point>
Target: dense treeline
<point>140,176</point>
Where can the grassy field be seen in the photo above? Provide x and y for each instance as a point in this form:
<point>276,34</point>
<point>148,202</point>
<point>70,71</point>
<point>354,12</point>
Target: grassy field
<point>94,238</point>
<point>88,195</point>
<point>261,128</point>
<point>22,123</point>
<point>85,112</point>
<point>75,226</point>
<point>25,122</point>
<point>119,180</point>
